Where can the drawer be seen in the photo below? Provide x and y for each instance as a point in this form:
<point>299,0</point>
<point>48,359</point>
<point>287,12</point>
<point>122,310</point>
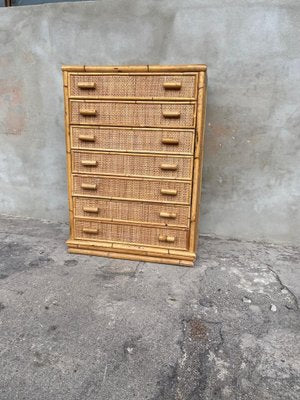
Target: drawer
<point>162,237</point>
<point>134,86</point>
<point>136,189</point>
<point>137,140</point>
<point>132,165</point>
<point>114,210</point>
<point>120,113</point>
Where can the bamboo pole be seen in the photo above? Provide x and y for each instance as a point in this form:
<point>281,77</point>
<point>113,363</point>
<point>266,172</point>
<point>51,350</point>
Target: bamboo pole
<point>133,257</point>
<point>136,68</point>
<point>196,191</point>
<point>68,151</point>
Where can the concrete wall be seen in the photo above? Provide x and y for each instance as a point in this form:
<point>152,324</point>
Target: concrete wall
<point>251,185</point>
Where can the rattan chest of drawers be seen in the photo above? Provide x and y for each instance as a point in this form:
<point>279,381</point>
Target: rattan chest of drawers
<point>134,138</point>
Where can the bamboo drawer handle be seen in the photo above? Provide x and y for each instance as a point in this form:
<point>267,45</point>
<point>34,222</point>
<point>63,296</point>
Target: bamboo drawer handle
<point>89,163</point>
<point>164,214</point>
<point>171,114</point>
<point>169,141</point>
<point>172,85</point>
<point>89,186</point>
<point>168,167</point>
<point>90,230</point>
<point>86,138</point>
<point>93,210</point>
<point>88,113</point>
<point>86,85</point>
<point>169,239</point>
<point>169,192</point>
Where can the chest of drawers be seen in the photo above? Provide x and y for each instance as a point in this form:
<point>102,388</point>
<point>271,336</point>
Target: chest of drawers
<point>134,140</point>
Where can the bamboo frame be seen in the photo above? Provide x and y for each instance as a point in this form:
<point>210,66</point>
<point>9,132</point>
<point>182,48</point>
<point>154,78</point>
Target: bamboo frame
<point>132,257</point>
<point>141,253</point>
<point>167,213</point>
<point>134,223</point>
<point>167,115</point>
<point>168,141</point>
<point>159,249</point>
<point>167,85</point>
<point>131,248</point>
<point>170,164</point>
<point>138,223</point>
<point>68,150</point>
<point>135,251</point>
<point>93,186</point>
<point>198,161</point>
<point>136,68</point>
<point>166,202</point>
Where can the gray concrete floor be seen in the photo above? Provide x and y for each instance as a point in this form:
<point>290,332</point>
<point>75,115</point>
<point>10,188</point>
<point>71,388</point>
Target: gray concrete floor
<point>78,327</point>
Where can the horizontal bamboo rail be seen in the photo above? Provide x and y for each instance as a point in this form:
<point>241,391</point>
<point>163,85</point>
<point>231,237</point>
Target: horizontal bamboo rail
<point>136,68</point>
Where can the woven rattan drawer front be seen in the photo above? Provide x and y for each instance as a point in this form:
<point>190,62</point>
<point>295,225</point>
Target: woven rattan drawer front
<point>140,114</point>
<point>163,237</point>
<point>114,210</point>
<point>138,140</point>
<point>137,189</point>
<point>125,164</point>
<point>134,86</point>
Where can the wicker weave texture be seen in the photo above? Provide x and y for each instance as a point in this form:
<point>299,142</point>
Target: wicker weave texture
<point>139,86</point>
<point>132,165</point>
<point>131,234</point>
<point>133,114</point>
<point>139,189</point>
<point>132,140</point>
<point>115,210</point>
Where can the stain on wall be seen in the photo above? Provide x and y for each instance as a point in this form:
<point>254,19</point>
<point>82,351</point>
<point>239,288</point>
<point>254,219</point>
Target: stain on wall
<point>12,107</point>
